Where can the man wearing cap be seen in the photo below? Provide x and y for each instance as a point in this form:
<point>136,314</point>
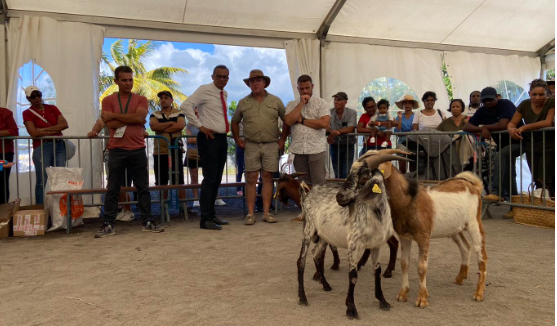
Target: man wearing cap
<point>44,120</point>
<point>124,114</point>
<point>494,115</point>
<point>168,123</point>
<point>259,113</point>
<point>343,121</point>
<point>308,118</point>
<point>210,100</point>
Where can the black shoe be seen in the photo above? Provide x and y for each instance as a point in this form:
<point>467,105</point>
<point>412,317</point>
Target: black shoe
<point>151,226</point>
<point>210,225</point>
<point>106,229</point>
<point>218,221</point>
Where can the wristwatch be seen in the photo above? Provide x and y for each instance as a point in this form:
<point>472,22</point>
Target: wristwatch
<point>303,120</point>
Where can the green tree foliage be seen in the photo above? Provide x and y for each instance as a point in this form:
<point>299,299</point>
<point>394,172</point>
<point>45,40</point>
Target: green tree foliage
<point>387,88</point>
<point>447,82</point>
<point>511,91</point>
<point>550,75</point>
<point>146,83</point>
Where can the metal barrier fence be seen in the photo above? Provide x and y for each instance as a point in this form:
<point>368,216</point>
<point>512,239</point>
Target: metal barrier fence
<point>521,166</point>
<point>438,156</point>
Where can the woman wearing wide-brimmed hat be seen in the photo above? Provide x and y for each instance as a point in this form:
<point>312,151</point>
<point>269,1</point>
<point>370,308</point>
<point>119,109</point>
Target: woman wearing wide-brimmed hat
<point>404,118</point>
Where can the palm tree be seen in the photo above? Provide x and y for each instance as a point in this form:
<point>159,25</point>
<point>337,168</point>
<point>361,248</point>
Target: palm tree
<point>146,83</point>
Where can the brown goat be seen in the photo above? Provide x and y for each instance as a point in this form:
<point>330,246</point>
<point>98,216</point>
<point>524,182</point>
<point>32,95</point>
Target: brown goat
<point>288,187</point>
<point>445,210</point>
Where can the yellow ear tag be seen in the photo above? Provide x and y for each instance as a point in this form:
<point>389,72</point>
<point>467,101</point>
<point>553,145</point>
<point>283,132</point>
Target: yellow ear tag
<point>376,189</point>
<point>383,171</point>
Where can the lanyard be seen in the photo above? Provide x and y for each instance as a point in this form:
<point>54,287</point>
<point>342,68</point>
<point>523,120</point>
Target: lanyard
<point>127,104</point>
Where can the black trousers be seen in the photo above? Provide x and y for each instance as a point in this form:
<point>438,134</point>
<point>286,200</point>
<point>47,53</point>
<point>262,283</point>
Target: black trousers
<point>136,162</point>
<point>5,178</point>
<point>213,153</point>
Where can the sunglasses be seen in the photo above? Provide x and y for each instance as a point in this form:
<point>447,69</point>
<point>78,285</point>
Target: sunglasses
<point>36,94</point>
<point>487,100</point>
<point>223,77</point>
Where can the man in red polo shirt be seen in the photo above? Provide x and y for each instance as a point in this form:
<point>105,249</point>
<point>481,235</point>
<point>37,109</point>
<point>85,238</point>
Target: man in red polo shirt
<point>8,127</point>
<point>124,114</point>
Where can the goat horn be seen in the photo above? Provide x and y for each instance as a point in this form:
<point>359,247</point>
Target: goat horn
<point>394,151</point>
<point>374,161</point>
<point>297,174</point>
<point>368,154</point>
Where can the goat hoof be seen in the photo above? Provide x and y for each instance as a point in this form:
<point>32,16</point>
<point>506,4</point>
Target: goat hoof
<point>384,305</point>
<point>316,277</point>
<point>303,302</point>
<point>458,280</point>
<point>351,311</point>
<point>335,267</point>
<point>327,287</point>
<point>421,303</point>
<point>402,296</point>
<point>478,297</point>
<point>388,274</point>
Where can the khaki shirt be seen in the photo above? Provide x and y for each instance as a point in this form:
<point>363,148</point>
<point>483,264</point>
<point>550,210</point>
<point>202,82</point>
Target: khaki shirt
<point>260,120</point>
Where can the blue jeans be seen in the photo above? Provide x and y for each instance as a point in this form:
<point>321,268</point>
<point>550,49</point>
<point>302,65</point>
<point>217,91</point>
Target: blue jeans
<point>48,158</point>
<point>342,156</point>
<point>508,186</point>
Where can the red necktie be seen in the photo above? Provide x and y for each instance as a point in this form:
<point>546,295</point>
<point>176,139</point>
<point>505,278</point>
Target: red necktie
<point>224,111</point>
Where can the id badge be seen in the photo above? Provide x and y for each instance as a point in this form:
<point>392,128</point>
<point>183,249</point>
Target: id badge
<point>119,133</point>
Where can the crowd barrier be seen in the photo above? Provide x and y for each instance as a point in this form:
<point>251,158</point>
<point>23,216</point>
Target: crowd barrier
<point>437,155</point>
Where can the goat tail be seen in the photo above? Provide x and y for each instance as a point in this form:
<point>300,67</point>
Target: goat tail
<point>304,189</point>
<point>472,178</point>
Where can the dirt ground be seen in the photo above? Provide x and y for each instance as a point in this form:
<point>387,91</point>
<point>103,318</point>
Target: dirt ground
<point>247,276</point>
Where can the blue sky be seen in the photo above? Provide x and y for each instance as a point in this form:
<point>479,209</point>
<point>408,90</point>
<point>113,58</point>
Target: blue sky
<point>200,59</point>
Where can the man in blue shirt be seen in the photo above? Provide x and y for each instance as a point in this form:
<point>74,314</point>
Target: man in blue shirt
<point>494,115</point>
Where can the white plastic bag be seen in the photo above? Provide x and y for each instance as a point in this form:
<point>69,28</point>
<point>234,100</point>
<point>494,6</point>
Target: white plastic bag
<point>57,205</point>
<point>538,193</point>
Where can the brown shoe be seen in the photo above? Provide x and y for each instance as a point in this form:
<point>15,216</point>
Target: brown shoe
<point>298,218</point>
<point>250,220</point>
<point>509,214</point>
<point>493,198</point>
<point>269,219</point>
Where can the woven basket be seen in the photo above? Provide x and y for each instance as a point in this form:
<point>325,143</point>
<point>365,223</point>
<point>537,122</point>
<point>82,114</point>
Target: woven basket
<point>533,216</point>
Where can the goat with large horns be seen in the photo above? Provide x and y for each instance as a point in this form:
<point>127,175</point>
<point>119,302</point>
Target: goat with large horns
<point>361,221</point>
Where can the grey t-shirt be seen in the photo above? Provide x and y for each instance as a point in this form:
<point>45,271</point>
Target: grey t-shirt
<point>349,119</point>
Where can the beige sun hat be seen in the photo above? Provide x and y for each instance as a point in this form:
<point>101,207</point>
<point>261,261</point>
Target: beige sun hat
<point>258,73</point>
<point>405,98</point>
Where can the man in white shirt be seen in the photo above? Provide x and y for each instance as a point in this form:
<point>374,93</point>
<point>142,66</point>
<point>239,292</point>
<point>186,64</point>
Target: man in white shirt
<point>210,100</point>
<point>308,119</point>
<point>474,105</point>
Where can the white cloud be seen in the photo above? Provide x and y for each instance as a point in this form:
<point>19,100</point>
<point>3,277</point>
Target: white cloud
<point>240,60</point>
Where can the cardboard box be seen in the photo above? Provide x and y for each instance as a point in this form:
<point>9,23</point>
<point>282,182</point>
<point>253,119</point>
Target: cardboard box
<point>30,221</point>
<point>6,214</point>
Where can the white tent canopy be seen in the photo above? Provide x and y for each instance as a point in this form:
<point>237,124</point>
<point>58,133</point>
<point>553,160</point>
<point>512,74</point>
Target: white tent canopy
<point>498,27</point>
<point>498,24</point>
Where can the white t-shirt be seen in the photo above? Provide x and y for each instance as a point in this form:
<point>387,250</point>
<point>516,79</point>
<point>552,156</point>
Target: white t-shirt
<point>428,122</point>
<point>469,111</point>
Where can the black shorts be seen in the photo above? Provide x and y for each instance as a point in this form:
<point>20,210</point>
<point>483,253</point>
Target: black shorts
<point>162,171</point>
